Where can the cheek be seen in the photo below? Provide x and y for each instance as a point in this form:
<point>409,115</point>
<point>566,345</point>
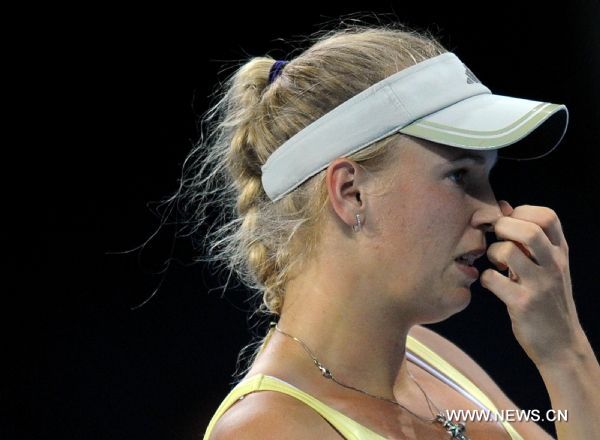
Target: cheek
<point>434,223</point>
<point>435,209</point>
<point>420,225</point>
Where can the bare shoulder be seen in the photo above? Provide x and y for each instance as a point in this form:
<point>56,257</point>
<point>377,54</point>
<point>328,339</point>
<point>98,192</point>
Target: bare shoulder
<point>270,415</point>
<point>474,372</point>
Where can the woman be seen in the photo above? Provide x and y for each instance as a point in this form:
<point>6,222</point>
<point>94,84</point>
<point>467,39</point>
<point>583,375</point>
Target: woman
<point>357,176</point>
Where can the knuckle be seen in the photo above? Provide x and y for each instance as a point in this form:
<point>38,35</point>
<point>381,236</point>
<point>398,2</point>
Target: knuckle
<point>560,264</point>
<point>548,218</point>
<point>534,233</point>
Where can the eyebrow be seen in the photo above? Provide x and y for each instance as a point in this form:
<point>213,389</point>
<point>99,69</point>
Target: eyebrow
<point>478,158</point>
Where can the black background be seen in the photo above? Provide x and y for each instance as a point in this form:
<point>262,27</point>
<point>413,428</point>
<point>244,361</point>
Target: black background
<point>110,100</point>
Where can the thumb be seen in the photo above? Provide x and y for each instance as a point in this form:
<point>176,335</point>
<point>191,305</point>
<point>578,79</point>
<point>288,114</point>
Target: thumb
<point>505,207</point>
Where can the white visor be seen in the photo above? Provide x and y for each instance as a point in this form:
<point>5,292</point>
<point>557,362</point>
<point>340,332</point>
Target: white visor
<point>439,100</point>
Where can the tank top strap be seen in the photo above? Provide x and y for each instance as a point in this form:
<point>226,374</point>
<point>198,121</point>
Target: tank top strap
<point>454,378</point>
<point>343,424</point>
<point>416,352</point>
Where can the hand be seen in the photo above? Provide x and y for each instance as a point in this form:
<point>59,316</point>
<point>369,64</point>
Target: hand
<point>537,292</point>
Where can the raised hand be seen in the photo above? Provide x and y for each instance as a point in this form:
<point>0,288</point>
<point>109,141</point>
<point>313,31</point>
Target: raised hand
<point>537,291</point>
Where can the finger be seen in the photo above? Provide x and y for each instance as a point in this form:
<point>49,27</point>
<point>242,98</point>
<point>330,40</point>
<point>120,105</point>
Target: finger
<point>507,254</point>
<point>507,210</point>
<point>505,207</point>
<point>544,217</point>
<point>500,286</point>
<point>529,237</point>
<point>525,251</point>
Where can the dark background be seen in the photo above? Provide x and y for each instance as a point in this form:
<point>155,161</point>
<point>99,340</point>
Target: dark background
<point>111,100</point>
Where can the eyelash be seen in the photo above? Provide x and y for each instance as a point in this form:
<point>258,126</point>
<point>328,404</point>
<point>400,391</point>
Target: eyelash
<point>462,172</point>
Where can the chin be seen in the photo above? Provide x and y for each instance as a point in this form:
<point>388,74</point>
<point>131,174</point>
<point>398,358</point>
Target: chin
<point>465,299</point>
<point>451,303</point>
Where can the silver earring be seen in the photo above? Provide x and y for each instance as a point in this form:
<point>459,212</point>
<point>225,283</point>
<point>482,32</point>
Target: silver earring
<point>357,226</point>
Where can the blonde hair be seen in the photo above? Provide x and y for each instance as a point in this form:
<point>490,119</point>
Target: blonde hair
<point>265,243</point>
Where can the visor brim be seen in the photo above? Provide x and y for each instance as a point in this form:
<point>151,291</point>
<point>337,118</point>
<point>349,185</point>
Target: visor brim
<point>489,122</point>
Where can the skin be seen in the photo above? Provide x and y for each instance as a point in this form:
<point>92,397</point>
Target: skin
<point>359,298</point>
<point>539,299</point>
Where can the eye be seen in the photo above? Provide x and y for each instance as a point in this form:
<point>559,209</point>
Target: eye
<point>458,176</point>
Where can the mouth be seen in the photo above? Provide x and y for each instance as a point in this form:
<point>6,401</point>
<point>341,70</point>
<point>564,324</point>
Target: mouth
<point>468,258</point>
<point>465,262</point>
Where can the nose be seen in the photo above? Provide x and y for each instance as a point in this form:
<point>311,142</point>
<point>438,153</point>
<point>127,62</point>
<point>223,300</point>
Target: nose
<point>486,215</point>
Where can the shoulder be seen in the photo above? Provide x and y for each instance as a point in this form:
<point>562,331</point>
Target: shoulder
<point>456,357</point>
<point>272,415</point>
<point>476,374</point>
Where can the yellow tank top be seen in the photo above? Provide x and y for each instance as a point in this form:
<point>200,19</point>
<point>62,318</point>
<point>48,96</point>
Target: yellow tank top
<point>347,427</point>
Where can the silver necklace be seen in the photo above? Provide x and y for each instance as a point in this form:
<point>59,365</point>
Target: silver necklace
<point>456,430</point>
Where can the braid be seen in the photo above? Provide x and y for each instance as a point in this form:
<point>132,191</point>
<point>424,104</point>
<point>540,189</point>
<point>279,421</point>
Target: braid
<point>244,166</point>
<point>259,257</point>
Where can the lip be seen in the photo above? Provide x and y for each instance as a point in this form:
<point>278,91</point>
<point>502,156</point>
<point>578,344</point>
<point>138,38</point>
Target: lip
<point>477,253</point>
<point>470,271</point>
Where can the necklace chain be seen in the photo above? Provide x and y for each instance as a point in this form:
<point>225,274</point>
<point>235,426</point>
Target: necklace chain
<point>456,430</point>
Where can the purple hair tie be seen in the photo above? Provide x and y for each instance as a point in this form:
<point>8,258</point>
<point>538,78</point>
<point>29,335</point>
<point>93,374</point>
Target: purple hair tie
<point>276,69</point>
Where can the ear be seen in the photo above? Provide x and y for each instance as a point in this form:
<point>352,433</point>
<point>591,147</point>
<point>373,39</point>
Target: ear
<point>345,180</point>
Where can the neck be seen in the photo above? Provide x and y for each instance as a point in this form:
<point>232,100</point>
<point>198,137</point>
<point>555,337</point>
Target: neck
<point>361,340</point>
